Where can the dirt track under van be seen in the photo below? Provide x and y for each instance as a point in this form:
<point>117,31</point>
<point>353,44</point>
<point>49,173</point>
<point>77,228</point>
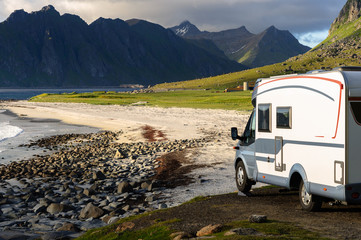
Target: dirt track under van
<point>340,222</point>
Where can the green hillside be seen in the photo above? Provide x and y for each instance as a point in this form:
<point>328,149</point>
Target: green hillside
<point>315,59</point>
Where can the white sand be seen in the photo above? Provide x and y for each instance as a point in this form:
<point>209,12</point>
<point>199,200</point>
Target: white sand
<point>176,123</point>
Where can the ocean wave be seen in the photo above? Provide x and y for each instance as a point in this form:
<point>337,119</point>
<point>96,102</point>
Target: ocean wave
<point>9,131</point>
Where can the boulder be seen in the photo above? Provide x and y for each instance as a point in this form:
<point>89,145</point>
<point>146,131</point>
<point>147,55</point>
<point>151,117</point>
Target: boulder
<point>88,192</point>
<point>125,226</point>
<point>124,187</point>
<point>39,208</point>
<point>57,208</point>
<point>98,175</point>
<point>210,229</point>
<point>91,211</point>
<point>69,227</point>
<point>180,235</point>
<point>257,218</point>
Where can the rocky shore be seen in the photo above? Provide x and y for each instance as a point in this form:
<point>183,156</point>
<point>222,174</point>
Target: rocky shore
<point>83,181</point>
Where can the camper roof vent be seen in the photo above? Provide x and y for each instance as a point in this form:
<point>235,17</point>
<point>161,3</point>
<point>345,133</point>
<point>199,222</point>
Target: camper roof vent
<point>315,71</point>
<point>348,68</point>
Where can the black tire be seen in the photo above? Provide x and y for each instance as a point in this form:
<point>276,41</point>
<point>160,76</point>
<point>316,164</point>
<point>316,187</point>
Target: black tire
<point>309,202</point>
<point>243,183</point>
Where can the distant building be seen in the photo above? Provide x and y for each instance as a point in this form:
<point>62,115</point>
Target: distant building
<point>246,86</point>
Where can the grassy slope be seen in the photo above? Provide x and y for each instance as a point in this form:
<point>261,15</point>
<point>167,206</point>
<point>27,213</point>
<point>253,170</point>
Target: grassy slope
<point>314,59</point>
<point>190,99</point>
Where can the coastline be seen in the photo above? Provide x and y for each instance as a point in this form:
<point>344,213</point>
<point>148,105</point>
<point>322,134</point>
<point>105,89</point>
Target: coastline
<point>197,140</point>
<point>32,129</point>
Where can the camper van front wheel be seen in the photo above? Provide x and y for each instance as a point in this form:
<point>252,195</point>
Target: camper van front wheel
<point>243,183</point>
<point>308,201</point>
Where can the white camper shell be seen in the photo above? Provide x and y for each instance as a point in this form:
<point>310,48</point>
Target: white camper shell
<point>305,133</point>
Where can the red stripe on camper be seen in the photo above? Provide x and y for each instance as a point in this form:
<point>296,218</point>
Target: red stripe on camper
<point>318,78</point>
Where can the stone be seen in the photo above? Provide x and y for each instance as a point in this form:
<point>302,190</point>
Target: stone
<point>257,218</point>
<point>180,235</point>
<point>39,208</point>
<point>125,226</point>
<point>115,204</point>
<point>242,231</point>
<point>91,211</point>
<point>150,198</point>
<point>57,208</point>
<point>88,192</point>
<point>124,187</point>
<point>69,227</point>
<point>98,175</point>
<point>118,155</point>
<point>162,206</point>
<point>113,220</point>
<point>144,185</point>
<point>210,229</point>
<point>106,218</point>
<point>126,208</point>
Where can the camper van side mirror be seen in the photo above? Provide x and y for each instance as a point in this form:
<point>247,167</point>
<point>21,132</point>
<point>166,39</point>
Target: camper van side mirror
<point>234,133</point>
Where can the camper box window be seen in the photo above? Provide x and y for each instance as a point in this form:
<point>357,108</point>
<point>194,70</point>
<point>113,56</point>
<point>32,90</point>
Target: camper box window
<point>356,111</point>
<point>284,117</point>
<point>264,117</point>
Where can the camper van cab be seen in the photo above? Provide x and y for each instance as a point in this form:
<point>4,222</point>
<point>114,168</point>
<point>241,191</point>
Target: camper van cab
<point>305,133</point>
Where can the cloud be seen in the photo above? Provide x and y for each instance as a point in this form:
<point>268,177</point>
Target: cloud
<point>298,16</point>
<point>312,39</point>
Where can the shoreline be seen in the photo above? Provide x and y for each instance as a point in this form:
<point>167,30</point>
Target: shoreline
<point>32,129</point>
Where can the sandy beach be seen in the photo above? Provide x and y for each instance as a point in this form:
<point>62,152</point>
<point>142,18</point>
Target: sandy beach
<point>177,123</point>
<point>201,136</point>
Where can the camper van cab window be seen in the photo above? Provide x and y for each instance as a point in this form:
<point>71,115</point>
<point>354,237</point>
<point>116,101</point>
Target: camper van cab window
<point>284,117</point>
<point>356,111</point>
<point>249,131</point>
<point>264,121</point>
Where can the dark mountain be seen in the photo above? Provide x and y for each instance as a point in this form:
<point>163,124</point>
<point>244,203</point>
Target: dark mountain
<point>269,47</point>
<point>186,29</point>
<point>46,49</point>
<point>253,50</point>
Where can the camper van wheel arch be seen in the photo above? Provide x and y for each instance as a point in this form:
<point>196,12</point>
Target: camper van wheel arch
<point>309,202</point>
<point>244,184</point>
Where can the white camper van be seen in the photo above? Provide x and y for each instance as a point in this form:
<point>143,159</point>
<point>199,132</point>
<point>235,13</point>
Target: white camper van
<point>305,133</point>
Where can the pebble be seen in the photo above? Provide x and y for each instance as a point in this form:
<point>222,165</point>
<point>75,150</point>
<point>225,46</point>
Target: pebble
<point>83,178</point>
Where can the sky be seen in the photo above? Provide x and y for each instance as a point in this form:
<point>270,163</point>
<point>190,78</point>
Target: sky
<point>307,20</point>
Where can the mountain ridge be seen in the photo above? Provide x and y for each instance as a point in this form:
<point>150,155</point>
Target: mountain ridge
<point>245,47</point>
<point>342,47</point>
<point>46,49</point>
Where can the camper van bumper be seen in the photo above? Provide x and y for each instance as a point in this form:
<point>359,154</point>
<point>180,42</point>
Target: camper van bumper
<point>353,193</point>
<point>337,193</point>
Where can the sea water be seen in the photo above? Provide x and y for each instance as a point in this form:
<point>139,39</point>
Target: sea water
<point>24,94</point>
<point>8,131</point>
<point>15,131</point>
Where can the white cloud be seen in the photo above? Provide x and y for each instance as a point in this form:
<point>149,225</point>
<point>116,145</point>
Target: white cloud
<point>312,39</point>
